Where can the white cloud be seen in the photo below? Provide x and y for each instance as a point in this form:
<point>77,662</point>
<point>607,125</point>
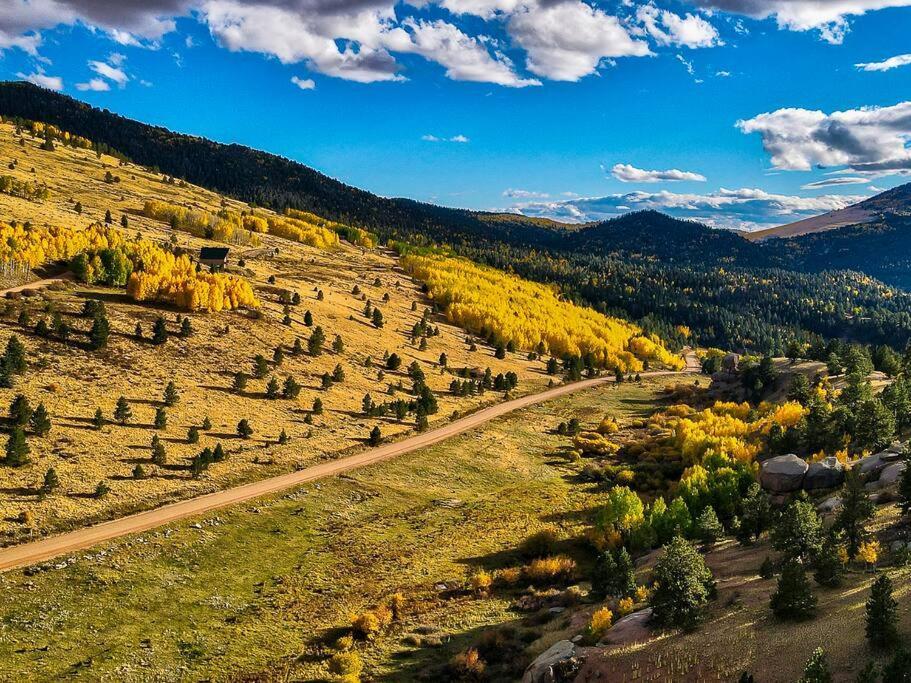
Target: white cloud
<point>828,17</point>
<point>524,194</point>
<point>886,65</point>
<point>565,41</point>
<point>38,77</point>
<point>111,71</point>
<point>626,173</point>
<point>836,181</point>
<point>723,74</point>
<point>304,83</point>
<point>460,139</point>
<point>95,85</point>
<point>668,28</point>
<point>869,139</point>
<point>744,209</point>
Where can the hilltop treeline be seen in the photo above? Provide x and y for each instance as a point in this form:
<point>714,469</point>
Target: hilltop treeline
<point>661,272</point>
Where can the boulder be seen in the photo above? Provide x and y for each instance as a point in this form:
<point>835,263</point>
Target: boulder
<point>826,474</point>
<point>783,474</point>
<point>830,504</point>
<point>632,628</point>
<point>558,663</point>
<point>871,465</point>
<point>891,474</point>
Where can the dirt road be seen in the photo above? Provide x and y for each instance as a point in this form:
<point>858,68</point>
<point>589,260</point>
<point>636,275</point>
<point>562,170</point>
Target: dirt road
<point>54,546</point>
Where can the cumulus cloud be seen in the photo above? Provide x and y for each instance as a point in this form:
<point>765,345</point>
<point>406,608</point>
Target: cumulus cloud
<point>38,77</point>
<point>627,173</point>
<point>869,139</point>
<point>887,64</point>
<point>95,85</point>
<point>668,28</point>
<point>743,209</point>
<point>828,17</point>
<point>565,41</point>
<point>303,83</point>
<point>111,71</point>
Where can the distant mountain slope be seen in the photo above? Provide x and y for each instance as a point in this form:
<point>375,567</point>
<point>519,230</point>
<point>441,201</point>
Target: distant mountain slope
<point>260,177</point>
<point>851,215</point>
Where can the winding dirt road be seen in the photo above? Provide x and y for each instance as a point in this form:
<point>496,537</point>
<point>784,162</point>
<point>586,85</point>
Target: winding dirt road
<point>62,544</point>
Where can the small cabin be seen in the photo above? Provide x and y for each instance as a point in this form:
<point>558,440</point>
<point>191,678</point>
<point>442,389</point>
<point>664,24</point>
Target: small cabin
<point>216,258</point>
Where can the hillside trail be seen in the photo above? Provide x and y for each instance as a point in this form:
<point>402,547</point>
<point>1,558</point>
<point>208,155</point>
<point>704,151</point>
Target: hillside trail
<point>51,547</point>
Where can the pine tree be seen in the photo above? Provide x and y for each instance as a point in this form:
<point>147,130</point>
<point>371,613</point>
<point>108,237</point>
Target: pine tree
<point>272,388</point>
<point>14,356</point>
<point>338,373</point>
<point>100,331</point>
<point>98,419</point>
<point>40,421</point>
<point>139,472</point>
<point>904,485</point>
<point>51,481</point>
<point>108,218</point>
<point>283,438</point>
<point>122,412</point>
<point>138,332</point>
<point>793,599</point>
<point>171,396</point>
<point>684,584</point>
<point>338,345</point>
<point>798,532</point>
<point>159,455</point>
<point>708,528</point>
<point>290,388</point>
<point>240,382</point>
<point>159,331</point>
<point>244,430</point>
<point>817,668</point>
<point>317,406</point>
<point>186,328</point>
<point>376,436</point>
<point>308,319</point>
<point>377,318</point>
<point>102,489</point>
<point>882,613</point>
<point>298,348</point>
<point>828,568</point>
<point>367,405</point>
<point>856,510</point>
<point>20,411</point>
<point>206,424</point>
<point>278,356</point>
<point>316,341</point>
<point>17,449</point>
<point>218,453</point>
<point>161,418</point>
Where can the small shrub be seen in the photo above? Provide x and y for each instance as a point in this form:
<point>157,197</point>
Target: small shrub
<point>551,569</point>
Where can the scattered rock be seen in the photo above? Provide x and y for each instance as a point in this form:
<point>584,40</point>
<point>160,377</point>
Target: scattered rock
<point>830,504</point>
<point>632,628</point>
<point>891,474</point>
<point>872,465</point>
<point>783,474</point>
<point>558,663</point>
<point>826,474</point>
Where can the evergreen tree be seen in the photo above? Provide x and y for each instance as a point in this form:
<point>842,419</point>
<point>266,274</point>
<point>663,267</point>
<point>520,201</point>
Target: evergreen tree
<point>240,382</point>
<point>102,489</point>
<point>100,331</point>
<point>51,481</point>
<point>218,453</point>
<point>122,412</point>
<point>367,405</point>
<point>193,434</point>
<point>260,366</point>
<point>317,406</point>
<point>244,430</point>
<point>898,670</point>
<point>159,331</point>
<point>14,356</point>
<point>138,333</point>
<point>316,341</point>
<point>278,355</point>
<point>290,388</point>
<point>338,345</point>
<point>272,388</point>
<point>881,613</point>
<point>375,436</point>
<point>827,565</point>
<point>161,418</point>
<point>708,528</point>
<point>98,419</point>
<point>308,319</point>
<point>377,318</point>
<point>171,396</point>
<point>817,669</point>
<point>798,532</point>
<point>338,373</point>
<point>159,455</point>
<point>40,421</point>
<point>856,510</point>
<point>684,584</point>
<point>139,472</point>
<point>186,328</point>
<point>283,438</point>
<point>793,599</point>
<point>904,485</point>
<point>17,449</point>
<point>206,424</point>
<point>20,411</point>
<point>298,348</point>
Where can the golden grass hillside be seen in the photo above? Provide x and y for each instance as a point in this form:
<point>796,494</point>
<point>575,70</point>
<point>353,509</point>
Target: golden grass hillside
<point>72,381</point>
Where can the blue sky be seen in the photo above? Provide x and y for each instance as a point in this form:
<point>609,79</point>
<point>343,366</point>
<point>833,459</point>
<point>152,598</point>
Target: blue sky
<point>567,108</point>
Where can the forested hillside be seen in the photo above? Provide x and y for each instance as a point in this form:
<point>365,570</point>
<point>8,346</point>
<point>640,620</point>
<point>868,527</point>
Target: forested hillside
<point>658,271</point>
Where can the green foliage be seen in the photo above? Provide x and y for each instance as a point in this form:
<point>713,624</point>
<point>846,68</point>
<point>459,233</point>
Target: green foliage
<point>881,613</point>
<point>708,529</point>
<point>793,599</point>
<point>122,411</point>
<point>856,510</point>
<point>614,574</point>
<point>817,668</point>
<point>684,584</point>
<point>798,531</point>
<point>17,449</point>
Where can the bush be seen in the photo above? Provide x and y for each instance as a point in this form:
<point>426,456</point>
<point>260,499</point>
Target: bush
<point>346,665</point>
<point>467,666</point>
<point>551,569</point>
<point>601,620</point>
<point>817,668</point>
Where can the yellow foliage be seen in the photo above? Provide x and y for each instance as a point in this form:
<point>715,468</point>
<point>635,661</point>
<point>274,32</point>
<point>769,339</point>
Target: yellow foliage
<point>487,301</point>
<point>608,426</point>
<point>549,569</point>
<point>601,620</point>
<point>641,594</point>
<point>509,576</point>
<point>868,552</point>
<point>347,666</point>
<point>593,443</point>
<point>624,606</point>
<point>481,581</point>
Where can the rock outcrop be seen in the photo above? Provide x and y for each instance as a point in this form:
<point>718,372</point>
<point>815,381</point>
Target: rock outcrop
<point>826,474</point>
<point>558,664</point>
<point>783,474</point>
